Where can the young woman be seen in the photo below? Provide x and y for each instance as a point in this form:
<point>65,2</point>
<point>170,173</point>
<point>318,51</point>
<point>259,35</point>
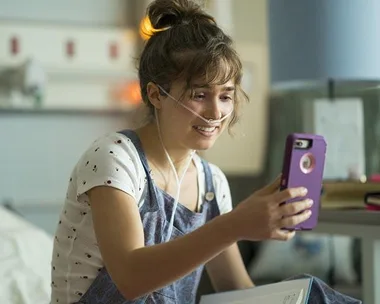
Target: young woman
<point>143,212</point>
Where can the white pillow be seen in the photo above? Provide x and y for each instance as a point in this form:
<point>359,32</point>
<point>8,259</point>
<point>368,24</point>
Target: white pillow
<point>25,256</point>
<point>306,253</point>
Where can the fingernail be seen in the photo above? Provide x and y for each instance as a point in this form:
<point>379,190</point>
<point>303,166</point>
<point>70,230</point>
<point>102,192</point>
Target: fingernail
<point>310,202</point>
<point>303,191</point>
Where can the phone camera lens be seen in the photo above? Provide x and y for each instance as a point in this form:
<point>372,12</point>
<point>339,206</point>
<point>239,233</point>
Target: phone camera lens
<point>306,163</point>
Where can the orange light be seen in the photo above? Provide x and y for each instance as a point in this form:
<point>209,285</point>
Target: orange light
<point>128,93</point>
<point>132,92</point>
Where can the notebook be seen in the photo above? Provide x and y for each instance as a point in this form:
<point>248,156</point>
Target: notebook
<point>286,292</point>
<point>372,201</point>
<point>373,198</point>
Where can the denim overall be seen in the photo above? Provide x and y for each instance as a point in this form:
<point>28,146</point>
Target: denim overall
<point>321,293</point>
<point>155,215</point>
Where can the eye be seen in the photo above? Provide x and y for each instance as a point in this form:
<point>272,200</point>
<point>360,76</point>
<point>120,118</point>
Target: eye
<point>226,98</point>
<point>198,96</point>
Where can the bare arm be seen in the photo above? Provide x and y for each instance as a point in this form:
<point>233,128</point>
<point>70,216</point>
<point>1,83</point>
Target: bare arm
<point>138,270</point>
<point>227,271</point>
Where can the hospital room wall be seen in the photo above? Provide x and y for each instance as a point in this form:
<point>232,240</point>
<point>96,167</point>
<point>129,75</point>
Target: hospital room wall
<point>38,151</point>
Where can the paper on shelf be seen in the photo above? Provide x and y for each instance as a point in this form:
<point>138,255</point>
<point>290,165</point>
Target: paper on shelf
<point>341,122</point>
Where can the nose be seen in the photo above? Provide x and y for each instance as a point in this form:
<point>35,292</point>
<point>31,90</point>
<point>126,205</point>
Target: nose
<point>213,110</point>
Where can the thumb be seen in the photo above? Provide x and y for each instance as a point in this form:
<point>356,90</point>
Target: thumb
<point>271,188</point>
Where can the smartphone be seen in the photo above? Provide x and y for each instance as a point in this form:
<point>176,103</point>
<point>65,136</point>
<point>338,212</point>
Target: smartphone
<point>303,166</point>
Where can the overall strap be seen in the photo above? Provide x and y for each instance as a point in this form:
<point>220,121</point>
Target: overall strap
<point>136,141</point>
<point>210,191</point>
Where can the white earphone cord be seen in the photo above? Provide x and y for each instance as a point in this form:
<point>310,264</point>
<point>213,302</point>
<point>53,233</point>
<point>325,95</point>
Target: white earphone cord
<point>178,180</point>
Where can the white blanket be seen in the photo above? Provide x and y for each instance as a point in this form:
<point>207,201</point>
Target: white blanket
<point>25,255</point>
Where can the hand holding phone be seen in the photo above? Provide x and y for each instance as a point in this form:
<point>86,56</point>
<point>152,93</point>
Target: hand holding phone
<point>303,166</point>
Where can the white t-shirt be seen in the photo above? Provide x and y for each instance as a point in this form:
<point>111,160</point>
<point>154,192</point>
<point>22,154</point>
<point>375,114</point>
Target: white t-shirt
<point>114,161</point>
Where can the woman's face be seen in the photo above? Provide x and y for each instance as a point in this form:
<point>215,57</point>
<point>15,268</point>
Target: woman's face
<point>182,127</point>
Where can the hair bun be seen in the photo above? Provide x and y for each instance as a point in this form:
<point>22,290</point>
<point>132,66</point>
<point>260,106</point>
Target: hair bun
<point>167,13</point>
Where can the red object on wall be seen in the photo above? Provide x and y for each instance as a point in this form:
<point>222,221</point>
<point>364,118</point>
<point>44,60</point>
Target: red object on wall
<point>14,46</point>
<point>113,50</point>
<point>70,48</point>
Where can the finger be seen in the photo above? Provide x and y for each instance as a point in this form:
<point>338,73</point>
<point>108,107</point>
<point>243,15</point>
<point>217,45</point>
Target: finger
<point>294,220</point>
<point>271,188</point>
<point>288,194</point>
<point>284,235</point>
<point>295,207</point>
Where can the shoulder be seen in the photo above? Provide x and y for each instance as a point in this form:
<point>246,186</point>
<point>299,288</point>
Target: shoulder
<point>111,160</point>
<point>112,143</point>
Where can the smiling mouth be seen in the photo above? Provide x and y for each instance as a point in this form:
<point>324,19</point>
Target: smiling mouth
<point>207,131</point>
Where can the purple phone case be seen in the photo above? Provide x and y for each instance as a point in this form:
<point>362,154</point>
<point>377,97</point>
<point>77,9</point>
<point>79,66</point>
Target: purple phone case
<point>293,176</point>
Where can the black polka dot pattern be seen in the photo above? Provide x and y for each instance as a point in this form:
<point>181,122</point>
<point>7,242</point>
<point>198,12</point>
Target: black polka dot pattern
<point>103,164</point>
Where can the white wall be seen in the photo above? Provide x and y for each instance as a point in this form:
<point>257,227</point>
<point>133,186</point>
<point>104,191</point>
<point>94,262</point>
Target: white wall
<point>85,12</point>
<point>250,20</point>
<point>39,150</point>
<point>244,154</point>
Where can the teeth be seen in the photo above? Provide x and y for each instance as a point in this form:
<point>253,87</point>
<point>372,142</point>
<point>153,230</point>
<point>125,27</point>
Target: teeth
<point>206,129</point>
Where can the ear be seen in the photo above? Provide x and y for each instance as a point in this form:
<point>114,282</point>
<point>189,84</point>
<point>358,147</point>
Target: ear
<point>154,96</point>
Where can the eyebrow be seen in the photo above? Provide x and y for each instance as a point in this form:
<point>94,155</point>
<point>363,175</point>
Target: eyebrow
<point>207,86</point>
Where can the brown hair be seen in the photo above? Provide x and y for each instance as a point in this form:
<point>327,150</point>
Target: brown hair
<point>186,43</point>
